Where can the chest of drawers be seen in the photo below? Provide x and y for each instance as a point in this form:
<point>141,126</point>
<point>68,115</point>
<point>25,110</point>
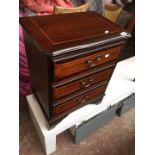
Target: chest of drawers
<point>71,59</point>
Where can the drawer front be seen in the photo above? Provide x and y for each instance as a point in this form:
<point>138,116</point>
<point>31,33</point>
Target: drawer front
<point>82,99</point>
<point>83,83</point>
<point>64,69</point>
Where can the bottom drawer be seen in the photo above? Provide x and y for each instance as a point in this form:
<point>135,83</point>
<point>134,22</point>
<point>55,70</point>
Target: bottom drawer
<point>80,100</point>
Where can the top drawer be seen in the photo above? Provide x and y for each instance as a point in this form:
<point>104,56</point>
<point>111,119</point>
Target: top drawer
<point>74,66</point>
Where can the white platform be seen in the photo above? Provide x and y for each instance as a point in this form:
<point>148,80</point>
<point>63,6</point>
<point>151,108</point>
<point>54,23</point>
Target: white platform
<point>120,87</point>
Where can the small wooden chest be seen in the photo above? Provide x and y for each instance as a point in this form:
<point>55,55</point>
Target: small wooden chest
<point>71,59</point>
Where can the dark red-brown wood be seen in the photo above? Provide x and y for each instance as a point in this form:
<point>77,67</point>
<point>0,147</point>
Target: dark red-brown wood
<point>64,69</point>
<point>71,58</point>
<point>83,99</point>
<point>83,83</point>
<point>55,32</point>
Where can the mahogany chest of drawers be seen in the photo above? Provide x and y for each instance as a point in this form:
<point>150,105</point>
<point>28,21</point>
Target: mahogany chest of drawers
<point>71,59</point>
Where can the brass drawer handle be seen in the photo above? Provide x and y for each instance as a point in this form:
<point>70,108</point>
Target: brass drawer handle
<point>87,85</point>
<point>91,80</point>
<point>81,101</point>
<point>98,58</point>
<point>107,55</point>
<point>90,63</point>
<point>83,83</point>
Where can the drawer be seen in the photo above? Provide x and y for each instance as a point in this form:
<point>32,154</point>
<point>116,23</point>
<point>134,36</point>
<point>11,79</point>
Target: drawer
<point>82,83</point>
<point>74,66</point>
<point>80,100</point>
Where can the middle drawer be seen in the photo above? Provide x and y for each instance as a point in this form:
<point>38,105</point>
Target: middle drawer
<point>82,83</point>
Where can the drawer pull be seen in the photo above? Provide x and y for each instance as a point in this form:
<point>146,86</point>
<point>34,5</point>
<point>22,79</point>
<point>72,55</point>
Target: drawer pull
<point>106,32</point>
<point>98,58</point>
<point>81,101</point>
<point>89,61</point>
<point>87,85</point>
<point>84,83</point>
<point>92,65</point>
<point>107,55</point>
<point>91,80</point>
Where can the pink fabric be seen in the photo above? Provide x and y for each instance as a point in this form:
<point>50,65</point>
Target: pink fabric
<point>45,6</point>
<point>41,7</point>
<point>24,78</point>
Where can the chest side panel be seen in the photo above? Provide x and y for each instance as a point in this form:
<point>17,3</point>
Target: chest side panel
<point>39,74</point>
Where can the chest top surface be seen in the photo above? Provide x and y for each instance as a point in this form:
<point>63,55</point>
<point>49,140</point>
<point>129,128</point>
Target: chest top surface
<point>58,32</point>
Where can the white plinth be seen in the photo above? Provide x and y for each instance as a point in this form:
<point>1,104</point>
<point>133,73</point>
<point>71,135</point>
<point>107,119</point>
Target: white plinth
<point>120,87</point>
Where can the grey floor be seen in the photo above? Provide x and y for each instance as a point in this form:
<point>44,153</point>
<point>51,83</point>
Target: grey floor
<point>115,138</point>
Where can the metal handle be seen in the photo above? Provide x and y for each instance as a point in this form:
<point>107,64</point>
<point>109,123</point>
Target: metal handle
<point>87,85</point>
<point>98,58</point>
<point>91,63</point>
<point>83,100</point>
<point>91,80</point>
<point>107,55</point>
<point>84,83</point>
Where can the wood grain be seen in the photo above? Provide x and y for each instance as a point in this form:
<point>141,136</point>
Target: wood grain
<point>64,69</point>
<point>78,100</point>
<point>71,58</point>
<point>83,83</point>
